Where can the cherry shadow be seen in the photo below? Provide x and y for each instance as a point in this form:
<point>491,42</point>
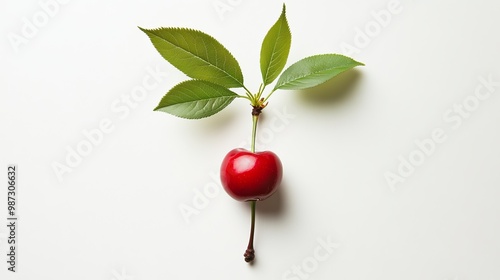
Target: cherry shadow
<point>334,91</point>
<point>274,206</point>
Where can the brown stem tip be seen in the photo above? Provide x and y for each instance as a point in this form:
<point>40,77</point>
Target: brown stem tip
<point>249,255</point>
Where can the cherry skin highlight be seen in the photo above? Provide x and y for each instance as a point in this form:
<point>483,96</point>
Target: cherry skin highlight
<point>248,176</point>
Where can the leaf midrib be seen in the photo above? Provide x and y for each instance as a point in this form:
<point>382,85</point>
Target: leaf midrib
<point>273,52</point>
<point>203,99</point>
<point>207,62</point>
<point>313,73</point>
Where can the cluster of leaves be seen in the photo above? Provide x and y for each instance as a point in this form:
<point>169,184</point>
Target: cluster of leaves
<point>214,70</point>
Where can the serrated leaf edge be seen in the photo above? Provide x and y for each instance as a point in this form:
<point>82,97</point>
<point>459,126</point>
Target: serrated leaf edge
<point>283,14</point>
<point>312,73</point>
<point>149,33</point>
<point>159,109</point>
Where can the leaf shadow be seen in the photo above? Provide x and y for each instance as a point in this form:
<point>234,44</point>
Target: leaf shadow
<point>334,91</point>
<point>214,124</point>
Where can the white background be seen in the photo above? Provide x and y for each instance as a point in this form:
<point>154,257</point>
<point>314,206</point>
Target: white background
<point>117,215</point>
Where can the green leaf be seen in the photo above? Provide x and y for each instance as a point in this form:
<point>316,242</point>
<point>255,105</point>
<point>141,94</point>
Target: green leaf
<point>314,70</point>
<point>196,99</point>
<point>197,54</point>
<point>275,49</point>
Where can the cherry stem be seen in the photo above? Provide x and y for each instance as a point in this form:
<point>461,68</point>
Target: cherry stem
<point>255,118</point>
<point>250,252</point>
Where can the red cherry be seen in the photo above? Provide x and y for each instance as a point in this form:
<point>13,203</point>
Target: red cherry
<point>248,176</point>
